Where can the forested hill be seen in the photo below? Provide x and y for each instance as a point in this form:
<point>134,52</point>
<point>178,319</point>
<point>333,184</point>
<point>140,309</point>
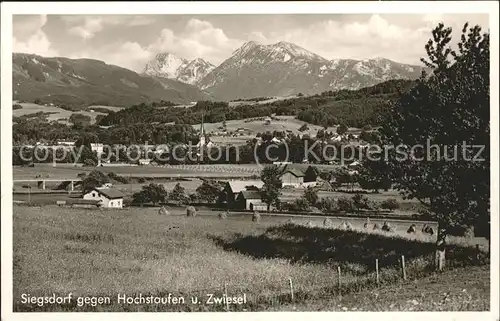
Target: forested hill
<point>354,108</point>
<point>76,83</point>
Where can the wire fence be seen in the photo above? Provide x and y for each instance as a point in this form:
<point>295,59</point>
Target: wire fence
<point>289,290</point>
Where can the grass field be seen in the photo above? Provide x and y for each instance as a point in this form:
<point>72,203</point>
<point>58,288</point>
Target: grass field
<point>104,253</point>
<point>259,126</point>
<point>71,171</point>
<point>58,113</point>
<point>463,289</point>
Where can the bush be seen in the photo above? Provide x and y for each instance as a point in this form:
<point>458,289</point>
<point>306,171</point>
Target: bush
<point>390,204</point>
<point>327,204</point>
<point>256,217</point>
<point>16,106</point>
<point>89,162</point>
<point>222,215</point>
<point>191,211</point>
<point>141,180</point>
<point>469,232</point>
<point>327,222</point>
<point>118,178</point>
<point>299,205</point>
<point>361,202</point>
<point>345,204</point>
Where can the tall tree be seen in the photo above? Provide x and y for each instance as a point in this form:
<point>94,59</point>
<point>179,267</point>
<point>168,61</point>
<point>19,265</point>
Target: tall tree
<point>152,193</point>
<point>94,179</point>
<point>448,108</point>
<point>271,190</point>
<point>311,195</point>
<point>178,194</point>
<point>342,129</point>
<point>208,191</point>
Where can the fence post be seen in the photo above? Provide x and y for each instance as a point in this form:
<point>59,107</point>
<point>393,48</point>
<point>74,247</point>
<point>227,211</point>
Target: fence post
<point>403,266</point>
<point>376,269</point>
<point>225,292</point>
<point>291,288</point>
<point>340,281</point>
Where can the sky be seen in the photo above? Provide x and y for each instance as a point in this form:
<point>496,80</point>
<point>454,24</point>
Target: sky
<point>132,40</point>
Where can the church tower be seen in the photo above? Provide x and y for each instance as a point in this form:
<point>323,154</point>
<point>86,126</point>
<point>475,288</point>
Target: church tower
<point>202,141</point>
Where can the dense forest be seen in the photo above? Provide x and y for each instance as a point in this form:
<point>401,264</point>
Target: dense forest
<point>353,108</point>
<point>157,125</point>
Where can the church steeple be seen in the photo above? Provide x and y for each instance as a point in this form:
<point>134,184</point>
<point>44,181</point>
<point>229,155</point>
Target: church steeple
<point>202,132</point>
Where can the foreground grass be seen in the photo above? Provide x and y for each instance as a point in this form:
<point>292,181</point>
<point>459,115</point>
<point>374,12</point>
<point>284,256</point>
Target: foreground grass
<point>135,251</point>
<point>462,289</point>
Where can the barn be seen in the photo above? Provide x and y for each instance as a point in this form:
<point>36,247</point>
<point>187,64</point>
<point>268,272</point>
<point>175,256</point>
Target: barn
<point>298,175</point>
<point>107,197</point>
<point>231,190</point>
<point>250,200</point>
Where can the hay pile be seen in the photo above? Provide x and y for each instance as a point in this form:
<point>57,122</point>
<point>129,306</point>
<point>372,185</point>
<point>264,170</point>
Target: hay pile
<point>426,229</point>
<point>222,215</point>
<point>345,226</point>
<point>191,211</point>
<point>163,211</point>
<point>412,229</point>
<point>367,223</point>
<point>327,222</point>
<point>387,227</point>
<point>256,217</point>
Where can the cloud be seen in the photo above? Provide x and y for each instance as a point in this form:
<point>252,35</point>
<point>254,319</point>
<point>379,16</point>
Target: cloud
<point>88,28</point>
<point>116,39</point>
<point>257,36</point>
<point>377,36</point>
<point>199,38</point>
<point>35,40</point>
<point>121,57</point>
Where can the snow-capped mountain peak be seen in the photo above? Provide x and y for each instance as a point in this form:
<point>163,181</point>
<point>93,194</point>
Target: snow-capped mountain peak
<point>284,68</point>
<point>294,50</point>
<point>168,65</point>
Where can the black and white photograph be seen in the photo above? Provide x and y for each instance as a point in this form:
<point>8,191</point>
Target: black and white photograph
<point>250,157</point>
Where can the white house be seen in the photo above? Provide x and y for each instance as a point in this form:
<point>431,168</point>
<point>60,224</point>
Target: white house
<point>97,147</point>
<point>107,197</point>
<point>144,161</point>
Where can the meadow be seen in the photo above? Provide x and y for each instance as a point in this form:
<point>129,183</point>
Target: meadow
<point>57,113</point>
<point>284,123</point>
<point>167,171</point>
<point>104,253</point>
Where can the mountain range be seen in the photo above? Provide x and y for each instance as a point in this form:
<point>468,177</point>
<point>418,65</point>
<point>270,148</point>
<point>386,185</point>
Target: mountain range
<point>84,82</point>
<point>253,70</point>
<point>281,69</point>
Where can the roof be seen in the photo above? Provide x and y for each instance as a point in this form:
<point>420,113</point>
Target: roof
<point>297,170</point>
<point>110,193</point>
<point>238,186</point>
<point>251,195</point>
<point>294,171</point>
